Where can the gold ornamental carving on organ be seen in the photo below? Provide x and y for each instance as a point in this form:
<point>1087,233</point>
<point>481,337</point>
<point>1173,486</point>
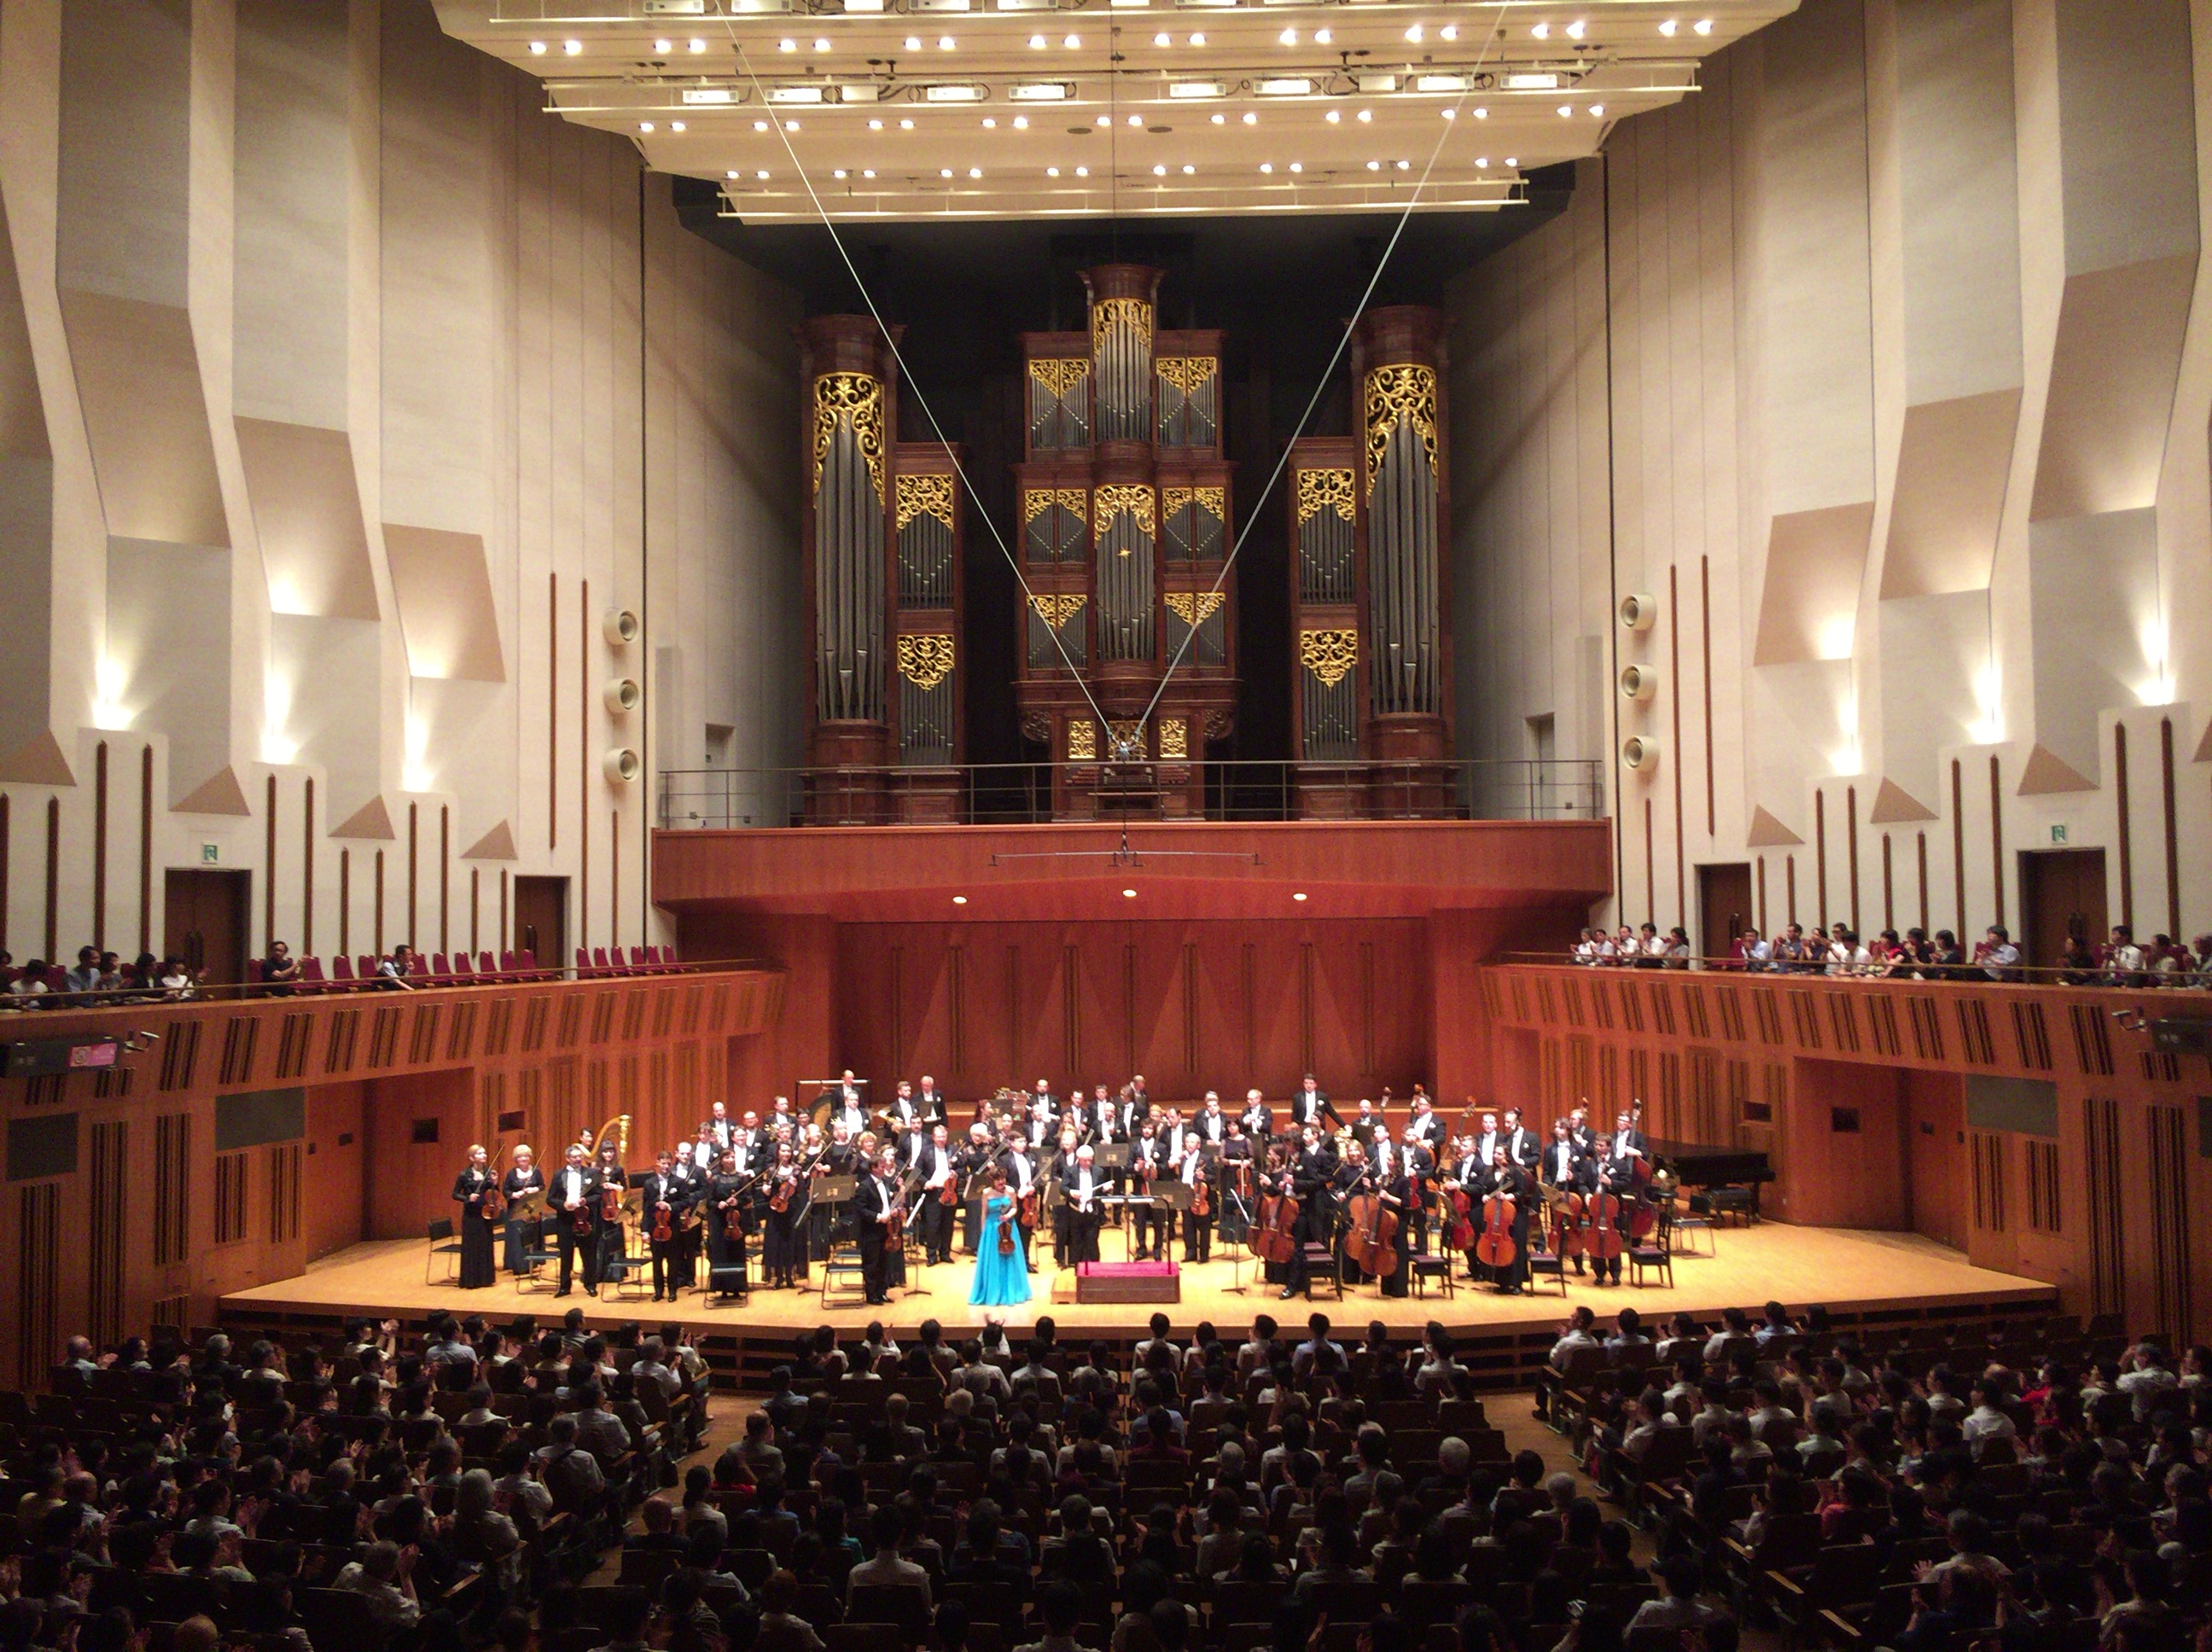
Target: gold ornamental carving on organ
<point>1187,374</point>
<point>1329,655</point>
<point>1215,499</point>
<point>1175,737</point>
<point>1125,737</point>
<point>1082,740</point>
<point>925,495</point>
<point>1061,374</point>
<point>924,658</point>
<point>1110,500</point>
<point>1111,312</point>
<point>1404,392</point>
<point>1056,608</point>
<point>855,402</point>
<point>1036,502</point>
<point>1194,608</point>
<point>1320,490</point>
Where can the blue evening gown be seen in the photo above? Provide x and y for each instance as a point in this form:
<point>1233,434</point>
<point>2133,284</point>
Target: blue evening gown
<point>1000,1281</point>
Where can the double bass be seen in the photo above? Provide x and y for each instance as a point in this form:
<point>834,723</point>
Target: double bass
<point>1370,1231</point>
<point>1274,1234</point>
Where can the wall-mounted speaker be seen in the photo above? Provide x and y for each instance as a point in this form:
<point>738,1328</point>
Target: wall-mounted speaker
<point>1638,682</point>
<point>1637,610</point>
<point>623,695</point>
<point>622,627</point>
<point>623,765</point>
<point>1640,752</point>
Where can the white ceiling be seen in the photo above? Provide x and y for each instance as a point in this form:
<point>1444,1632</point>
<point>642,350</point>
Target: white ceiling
<point>702,86</point>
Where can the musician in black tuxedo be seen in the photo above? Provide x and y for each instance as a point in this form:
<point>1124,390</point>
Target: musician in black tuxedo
<point>904,1115</point>
<point>1148,1170</point>
<point>690,1176</point>
<point>1259,1124</point>
<point>660,1188</point>
<point>1105,1118</point>
<point>1021,1182</point>
<point>522,1237</point>
<point>1611,1172</point>
<point>1564,1166</point>
<point>938,1165</point>
<point>1418,1165</point>
<point>1082,1189</point>
<point>573,1200</point>
<point>1309,1105</point>
<point>1060,1169</point>
<point>1424,1123</point>
<point>1487,1140</point>
<point>1521,1145</point>
<point>930,1102</point>
<point>1313,1177</point>
<point>1629,1142</point>
<point>1212,1124</point>
<point>1130,1116</point>
<point>876,1208</point>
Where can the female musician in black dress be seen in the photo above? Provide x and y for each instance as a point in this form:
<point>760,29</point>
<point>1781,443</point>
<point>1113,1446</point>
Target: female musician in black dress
<point>729,1197</point>
<point>783,1235</point>
<point>470,1188</point>
<point>521,1237</point>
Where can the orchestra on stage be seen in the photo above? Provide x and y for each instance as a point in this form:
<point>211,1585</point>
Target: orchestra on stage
<point>764,1202</point>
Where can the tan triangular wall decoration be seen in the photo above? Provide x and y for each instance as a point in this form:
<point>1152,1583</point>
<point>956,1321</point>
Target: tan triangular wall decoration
<point>38,762</point>
<point>1768,833</point>
<point>372,819</point>
<point>497,844</point>
<point>2047,772</point>
<point>219,793</point>
<point>1893,804</point>
<point>2204,745</point>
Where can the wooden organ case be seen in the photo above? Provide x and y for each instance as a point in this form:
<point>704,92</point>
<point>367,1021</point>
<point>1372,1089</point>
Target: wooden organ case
<point>883,529</point>
<point>1370,651</point>
<point>1125,528</point>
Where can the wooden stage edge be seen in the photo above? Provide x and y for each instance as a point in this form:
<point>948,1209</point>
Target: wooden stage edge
<point>1860,1277</point>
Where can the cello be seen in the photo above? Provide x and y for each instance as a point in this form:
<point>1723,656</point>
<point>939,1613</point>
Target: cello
<point>1601,1237</point>
<point>1274,1235</point>
<point>1370,1231</point>
<point>1496,1247</point>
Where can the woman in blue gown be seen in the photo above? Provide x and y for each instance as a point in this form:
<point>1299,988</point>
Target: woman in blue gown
<point>1002,1269</point>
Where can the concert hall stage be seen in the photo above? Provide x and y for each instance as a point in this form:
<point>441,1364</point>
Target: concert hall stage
<point>1860,1277</point>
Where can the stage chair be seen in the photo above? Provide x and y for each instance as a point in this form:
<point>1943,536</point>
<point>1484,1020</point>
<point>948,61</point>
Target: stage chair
<point>1323,1266</point>
<point>1655,1255</point>
<point>841,1273</point>
<point>1432,1263</point>
<point>442,1243</point>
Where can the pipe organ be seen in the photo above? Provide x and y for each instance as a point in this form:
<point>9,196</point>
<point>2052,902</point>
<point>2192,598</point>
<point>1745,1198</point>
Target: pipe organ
<point>1125,533</point>
<point>883,529</point>
<point>1369,653</point>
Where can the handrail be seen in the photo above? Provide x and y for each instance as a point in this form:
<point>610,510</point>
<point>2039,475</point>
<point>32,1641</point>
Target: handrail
<point>1969,972</point>
<point>117,998</point>
<point>1231,789</point>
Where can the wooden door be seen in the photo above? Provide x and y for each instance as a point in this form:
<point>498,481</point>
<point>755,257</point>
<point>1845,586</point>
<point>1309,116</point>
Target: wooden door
<point>1934,1148</point>
<point>541,920</point>
<point>1723,906</point>
<point>2062,893</point>
<point>205,921</point>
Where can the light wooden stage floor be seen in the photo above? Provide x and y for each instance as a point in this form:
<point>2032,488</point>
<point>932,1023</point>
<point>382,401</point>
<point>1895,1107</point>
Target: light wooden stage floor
<point>1855,1274</point>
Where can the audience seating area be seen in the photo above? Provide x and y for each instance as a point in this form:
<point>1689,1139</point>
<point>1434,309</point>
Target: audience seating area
<point>2034,1487</point>
<point>41,986</point>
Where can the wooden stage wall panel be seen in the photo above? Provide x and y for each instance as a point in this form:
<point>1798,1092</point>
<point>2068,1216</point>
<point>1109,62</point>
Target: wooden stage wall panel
<point>2024,1125</point>
<point>1192,1005</point>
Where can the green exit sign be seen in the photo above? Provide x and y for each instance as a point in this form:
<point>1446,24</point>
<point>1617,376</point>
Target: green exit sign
<point>2058,833</point>
<point>210,853</point>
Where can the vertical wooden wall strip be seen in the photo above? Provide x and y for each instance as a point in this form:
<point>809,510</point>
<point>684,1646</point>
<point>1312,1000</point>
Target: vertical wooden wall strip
<point>99,846</point>
<point>1674,709</point>
<point>345,901</point>
<point>268,870</point>
<point>475,910</point>
<point>553,711</point>
<point>1650,868</point>
<point>1763,929</point>
<point>1889,886</point>
<point>1852,848</point>
<point>1997,839</point>
<point>2126,826</point>
<point>1789,888</point>
<point>7,825</point>
<point>614,880</point>
<point>1922,837</point>
<point>1958,849</point>
<point>584,764</point>
<point>2172,831</point>
<point>414,870</point>
<point>145,856</point>
<point>307,869</point>
<point>445,877</point>
<point>1821,855</point>
<point>1705,632</point>
<point>505,942</point>
<point>53,879</point>
<point>378,939</point>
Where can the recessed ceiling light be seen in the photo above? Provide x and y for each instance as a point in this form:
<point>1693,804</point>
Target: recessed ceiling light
<point>944,43</point>
<point>1405,166</point>
<point>1450,114</point>
<point>906,124</point>
<point>1220,119</point>
<point>822,45</point>
<point>1266,165</point>
<point>730,174</point>
<point>1128,895</point>
<point>791,125</point>
<point>1159,172</point>
<point>761,175</point>
<point>675,125</point>
<point>761,125</point>
<point>1597,112</point>
<point>1298,894</point>
<point>1083,172</point>
<point>786,46</point>
<point>989,122</point>
<point>867,172</point>
<point>698,46</point>
<point>1567,110</point>
<point>1250,118</point>
<point>1512,160</point>
<point>975,172</point>
<point>1375,166</point>
<point>838,172</point>
<point>1297,165</point>
<point>1542,31</point>
<point>960,900</point>
<point>945,173</point>
<point>1105,120</point>
<point>1576,29</point>
<point>1669,27</point>
<point>1448,32</point>
<point>1415,34</point>
<point>1482,115</point>
<point>1197,39</point>
<point>1322,37</point>
<point>1367,114</point>
<point>875,126</point>
<point>537,48</point>
<point>1052,171</point>
<point>645,125</point>
<point>914,43</point>
<point>1136,120</point>
<point>572,47</point>
<point>1188,169</point>
<point>1482,160</point>
<point>1288,37</point>
<point>1164,38</point>
<point>1073,42</point>
<point>1333,118</point>
<point>662,48</point>
<point>1021,122</point>
<point>1703,26</point>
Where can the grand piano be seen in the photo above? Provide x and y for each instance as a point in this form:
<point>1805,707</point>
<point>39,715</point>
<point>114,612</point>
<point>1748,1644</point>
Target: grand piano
<point>1730,1177</point>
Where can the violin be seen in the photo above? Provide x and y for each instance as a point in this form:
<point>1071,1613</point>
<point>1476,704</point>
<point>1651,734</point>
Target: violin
<point>493,1204</point>
<point>1006,1232</point>
<point>610,1208</point>
<point>1200,1206</point>
<point>787,1184</point>
<point>664,1222</point>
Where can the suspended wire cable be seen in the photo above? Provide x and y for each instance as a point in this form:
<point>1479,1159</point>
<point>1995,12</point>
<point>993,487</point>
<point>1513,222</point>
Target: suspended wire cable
<point>1253,513</point>
<point>913,386</point>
